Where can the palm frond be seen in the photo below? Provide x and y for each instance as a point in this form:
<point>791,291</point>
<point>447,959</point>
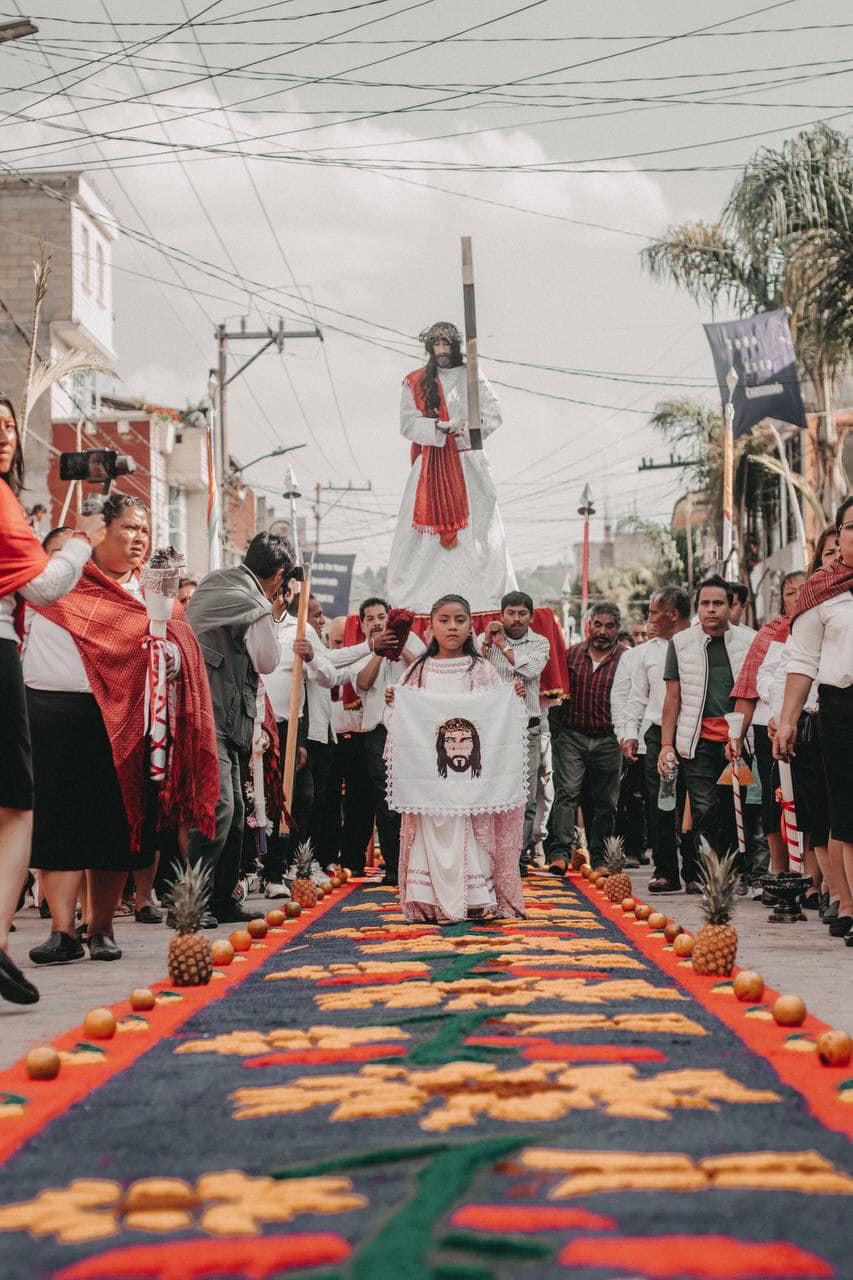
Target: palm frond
<point>807,490</point>
<point>711,266</point>
<point>50,372</point>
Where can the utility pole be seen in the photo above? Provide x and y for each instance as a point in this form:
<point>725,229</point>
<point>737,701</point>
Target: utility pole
<point>317,514</point>
<point>268,338</point>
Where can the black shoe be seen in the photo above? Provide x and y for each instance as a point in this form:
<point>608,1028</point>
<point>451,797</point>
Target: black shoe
<point>103,947</point>
<point>831,912</point>
<point>662,885</point>
<point>14,987</point>
<point>742,888</point>
<point>693,886</point>
<point>60,948</point>
<point>232,913</point>
<point>149,915</point>
<point>841,926</point>
<point>391,878</point>
<point>207,920</point>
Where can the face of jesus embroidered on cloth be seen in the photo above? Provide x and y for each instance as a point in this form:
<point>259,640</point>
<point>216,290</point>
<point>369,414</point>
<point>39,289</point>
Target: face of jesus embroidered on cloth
<point>457,747</point>
<point>459,753</point>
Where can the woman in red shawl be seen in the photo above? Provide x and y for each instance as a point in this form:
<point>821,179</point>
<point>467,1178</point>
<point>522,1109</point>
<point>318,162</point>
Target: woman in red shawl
<point>821,649</point>
<point>24,571</point>
<point>86,671</point>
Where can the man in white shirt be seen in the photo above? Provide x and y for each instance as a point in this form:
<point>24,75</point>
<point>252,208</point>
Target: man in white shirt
<point>347,811</point>
<point>322,672</point>
<point>517,653</point>
<point>669,613</point>
<point>376,674</point>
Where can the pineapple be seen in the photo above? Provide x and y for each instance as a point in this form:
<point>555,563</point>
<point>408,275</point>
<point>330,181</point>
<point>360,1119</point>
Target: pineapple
<point>303,890</point>
<point>190,961</point>
<point>618,883</point>
<point>580,853</point>
<point>715,945</point>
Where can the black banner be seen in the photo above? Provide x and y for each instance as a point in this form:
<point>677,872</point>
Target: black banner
<point>761,352</point>
<point>331,582</point>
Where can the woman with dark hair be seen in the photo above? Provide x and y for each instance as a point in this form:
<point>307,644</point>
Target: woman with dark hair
<point>826,549</point>
<point>26,572</point>
<point>86,672</point>
<point>455,866</point>
<point>821,649</point>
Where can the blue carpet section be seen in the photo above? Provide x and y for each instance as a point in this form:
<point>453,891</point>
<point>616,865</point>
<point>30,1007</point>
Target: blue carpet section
<point>394,1182</point>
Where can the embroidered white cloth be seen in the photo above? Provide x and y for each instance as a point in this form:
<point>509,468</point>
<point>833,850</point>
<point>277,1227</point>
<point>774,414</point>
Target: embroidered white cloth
<point>454,754</point>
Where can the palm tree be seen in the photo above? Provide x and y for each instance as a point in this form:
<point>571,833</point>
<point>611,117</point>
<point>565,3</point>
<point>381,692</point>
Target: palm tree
<point>789,209</point>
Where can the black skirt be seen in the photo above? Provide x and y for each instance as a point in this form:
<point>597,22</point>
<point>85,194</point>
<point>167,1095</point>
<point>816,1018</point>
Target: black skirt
<point>16,769</point>
<point>79,823</point>
<point>835,728</point>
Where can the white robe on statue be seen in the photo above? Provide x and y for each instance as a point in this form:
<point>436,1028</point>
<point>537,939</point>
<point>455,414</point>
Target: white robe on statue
<point>420,569</point>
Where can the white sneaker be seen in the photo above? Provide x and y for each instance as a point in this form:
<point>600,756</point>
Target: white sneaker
<point>318,875</point>
<point>274,890</point>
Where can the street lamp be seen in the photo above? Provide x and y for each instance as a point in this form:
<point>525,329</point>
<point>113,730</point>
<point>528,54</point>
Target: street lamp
<point>585,509</point>
<point>275,453</point>
<point>17,30</point>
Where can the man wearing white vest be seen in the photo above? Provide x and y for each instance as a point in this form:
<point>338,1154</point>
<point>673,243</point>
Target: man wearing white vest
<point>702,664</point>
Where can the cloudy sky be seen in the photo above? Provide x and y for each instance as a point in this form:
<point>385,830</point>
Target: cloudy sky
<point>322,158</point>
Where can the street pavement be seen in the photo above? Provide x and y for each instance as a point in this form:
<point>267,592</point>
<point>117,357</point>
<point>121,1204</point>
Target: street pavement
<point>799,958</point>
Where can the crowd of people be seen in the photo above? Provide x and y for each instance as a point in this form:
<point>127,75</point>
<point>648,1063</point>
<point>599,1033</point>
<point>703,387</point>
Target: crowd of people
<point>636,748</point>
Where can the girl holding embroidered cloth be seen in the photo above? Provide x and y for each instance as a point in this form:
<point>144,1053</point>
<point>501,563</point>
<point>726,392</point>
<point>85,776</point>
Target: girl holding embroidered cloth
<point>456,756</point>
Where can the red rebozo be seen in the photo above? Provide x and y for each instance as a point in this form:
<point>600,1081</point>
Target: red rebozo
<point>553,682</point>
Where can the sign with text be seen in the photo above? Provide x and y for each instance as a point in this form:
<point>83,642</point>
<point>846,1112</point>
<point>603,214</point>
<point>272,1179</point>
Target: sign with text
<point>761,353</point>
<point>331,582</point>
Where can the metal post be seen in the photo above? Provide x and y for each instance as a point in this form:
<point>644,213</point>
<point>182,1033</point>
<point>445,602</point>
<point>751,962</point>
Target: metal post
<point>471,356</point>
<point>728,474</point>
<point>586,509</point>
<point>792,494</point>
<point>316,519</point>
<point>292,492</point>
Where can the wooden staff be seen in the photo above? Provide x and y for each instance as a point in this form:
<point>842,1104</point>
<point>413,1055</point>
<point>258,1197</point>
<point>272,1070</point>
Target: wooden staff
<point>471,358</point>
<point>295,698</point>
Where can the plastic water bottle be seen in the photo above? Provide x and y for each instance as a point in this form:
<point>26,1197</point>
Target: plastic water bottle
<point>666,791</point>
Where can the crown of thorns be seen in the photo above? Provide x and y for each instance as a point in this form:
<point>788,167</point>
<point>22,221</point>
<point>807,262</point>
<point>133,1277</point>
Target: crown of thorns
<point>441,329</point>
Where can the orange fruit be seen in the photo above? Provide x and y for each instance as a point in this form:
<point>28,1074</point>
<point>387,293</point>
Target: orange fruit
<point>345,873</point>
<point>790,1011</point>
<point>628,904</point>
<point>221,951</point>
<point>657,920</point>
<point>42,1063</point>
<point>100,1024</point>
<point>834,1048</point>
<point>683,945</point>
<point>671,930</point>
<point>275,918</point>
<point>292,910</point>
<point>585,871</point>
<point>642,911</point>
<point>257,928</point>
<point>748,985</point>
<point>240,940</point>
<point>142,998</point>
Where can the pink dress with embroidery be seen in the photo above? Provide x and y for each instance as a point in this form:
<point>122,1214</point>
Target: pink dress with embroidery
<point>450,866</point>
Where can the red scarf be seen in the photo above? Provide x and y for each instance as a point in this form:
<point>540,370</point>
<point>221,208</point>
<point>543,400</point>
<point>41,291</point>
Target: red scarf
<point>777,629</point>
<point>22,556</point>
<point>833,580</point>
<point>441,499</point>
<point>109,628</point>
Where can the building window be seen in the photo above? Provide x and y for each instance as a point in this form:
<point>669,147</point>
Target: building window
<point>86,274</point>
<point>99,274</point>
<point>178,519</point>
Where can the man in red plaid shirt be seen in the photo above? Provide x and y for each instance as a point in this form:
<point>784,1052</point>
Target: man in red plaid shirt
<point>584,744</point>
